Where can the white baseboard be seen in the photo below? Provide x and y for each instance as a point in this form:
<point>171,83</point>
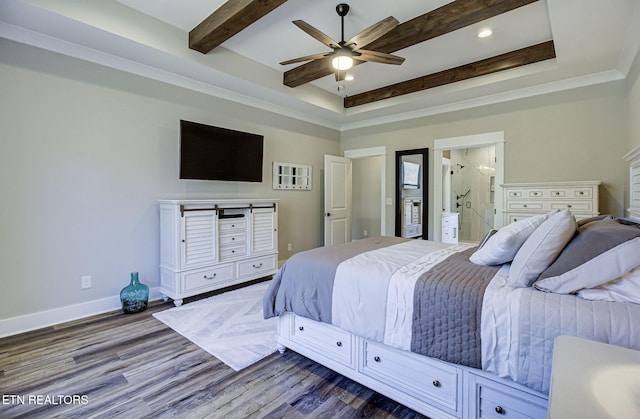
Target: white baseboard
<point>33,321</point>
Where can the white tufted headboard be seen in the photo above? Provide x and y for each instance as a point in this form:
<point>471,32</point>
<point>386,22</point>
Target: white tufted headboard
<point>633,158</point>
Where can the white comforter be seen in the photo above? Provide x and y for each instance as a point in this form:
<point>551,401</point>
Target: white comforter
<point>373,292</point>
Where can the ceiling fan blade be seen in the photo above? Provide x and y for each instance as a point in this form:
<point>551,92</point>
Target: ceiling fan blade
<point>373,32</point>
<point>306,58</point>
<point>378,57</point>
<point>315,33</point>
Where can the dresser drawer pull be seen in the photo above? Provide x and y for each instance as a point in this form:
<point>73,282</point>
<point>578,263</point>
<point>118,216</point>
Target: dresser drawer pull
<point>301,328</point>
<point>258,266</point>
<point>525,205</point>
<point>557,193</point>
<point>568,205</point>
<point>338,343</point>
<point>500,410</point>
<point>376,358</point>
<point>210,277</point>
<point>436,383</point>
<point>581,192</point>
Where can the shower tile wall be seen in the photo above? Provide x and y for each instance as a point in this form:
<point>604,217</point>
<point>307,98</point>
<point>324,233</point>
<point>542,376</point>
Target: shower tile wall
<point>472,184</point>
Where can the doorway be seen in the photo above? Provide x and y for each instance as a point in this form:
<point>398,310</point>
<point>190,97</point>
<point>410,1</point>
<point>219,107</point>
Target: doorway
<point>365,211</point>
<point>472,190</point>
<point>477,189</point>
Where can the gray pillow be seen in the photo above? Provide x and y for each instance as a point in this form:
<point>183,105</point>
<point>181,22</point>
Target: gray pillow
<point>592,239</point>
<point>586,221</point>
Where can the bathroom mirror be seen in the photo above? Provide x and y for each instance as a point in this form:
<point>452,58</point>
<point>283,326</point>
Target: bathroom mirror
<point>412,187</point>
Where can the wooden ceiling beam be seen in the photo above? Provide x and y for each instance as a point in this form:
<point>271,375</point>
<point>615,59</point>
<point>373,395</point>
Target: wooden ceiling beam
<point>513,59</point>
<point>445,19</point>
<point>232,17</point>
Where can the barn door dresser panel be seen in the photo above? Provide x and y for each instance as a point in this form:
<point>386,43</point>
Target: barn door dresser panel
<point>524,200</point>
<point>210,244</point>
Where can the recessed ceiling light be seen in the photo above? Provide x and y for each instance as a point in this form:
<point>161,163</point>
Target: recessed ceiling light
<point>348,77</point>
<point>485,33</point>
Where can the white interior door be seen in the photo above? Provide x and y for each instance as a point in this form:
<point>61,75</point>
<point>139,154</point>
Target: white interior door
<point>337,200</point>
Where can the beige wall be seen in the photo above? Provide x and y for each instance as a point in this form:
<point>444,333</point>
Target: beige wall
<point>574,135</point>
<point>85,153</point>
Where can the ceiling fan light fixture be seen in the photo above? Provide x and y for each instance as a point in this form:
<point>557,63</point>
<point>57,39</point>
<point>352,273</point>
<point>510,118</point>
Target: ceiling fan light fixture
<point>342,62</point>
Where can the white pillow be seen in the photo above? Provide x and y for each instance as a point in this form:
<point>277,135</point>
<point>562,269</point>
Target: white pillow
<point>625,289</point>
<point>542,248</point>
<point>606,267</point>
<point>504,244</point>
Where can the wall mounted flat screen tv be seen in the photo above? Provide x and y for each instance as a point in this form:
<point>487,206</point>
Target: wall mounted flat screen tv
<point>213,153</point>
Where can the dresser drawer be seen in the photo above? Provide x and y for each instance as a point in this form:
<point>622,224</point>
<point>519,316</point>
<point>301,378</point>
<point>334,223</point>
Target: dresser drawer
<point>232,239</point>
<point>535,193</point>
<point>205,278</point>
<point>264,264</point>
<point>414,374</point>
<point>586,193</point>
<point>526,206</point>
<point>233,225</point>
<point>583,206</point>
<point>512,218</point>
<point>496,401</point>
<point>327,340</point>
<point>231,252</point>
<point>515,194</point>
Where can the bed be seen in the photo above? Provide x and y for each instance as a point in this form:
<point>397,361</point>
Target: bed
<point>461,331</point>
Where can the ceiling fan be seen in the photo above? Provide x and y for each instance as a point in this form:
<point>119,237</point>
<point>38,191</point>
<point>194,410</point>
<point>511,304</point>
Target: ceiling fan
<point>345,53</point>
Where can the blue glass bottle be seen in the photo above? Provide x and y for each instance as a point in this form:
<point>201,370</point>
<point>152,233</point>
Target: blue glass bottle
<point>135,296</point>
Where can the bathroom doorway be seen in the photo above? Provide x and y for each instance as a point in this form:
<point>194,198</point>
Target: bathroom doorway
<point>472,184</point>
<point>472,190</point>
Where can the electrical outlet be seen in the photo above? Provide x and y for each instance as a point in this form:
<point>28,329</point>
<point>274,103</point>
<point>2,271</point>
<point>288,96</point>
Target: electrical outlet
<point>289,247</point>
<point>366,233</point>
<point>85,282</point>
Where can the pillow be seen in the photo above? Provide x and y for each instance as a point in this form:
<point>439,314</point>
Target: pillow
<point>487,236</point>
<point>541,248</point>
<point>625,289</point>
<point>585,221</point>
<point>502,246</point>
<point>592,239</point>
<point>606,267</point>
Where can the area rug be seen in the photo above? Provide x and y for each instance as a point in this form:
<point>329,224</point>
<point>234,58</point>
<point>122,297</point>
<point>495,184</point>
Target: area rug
<point>229,326</point>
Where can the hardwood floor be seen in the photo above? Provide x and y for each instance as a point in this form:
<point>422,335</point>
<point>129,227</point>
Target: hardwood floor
<point>117,365</point>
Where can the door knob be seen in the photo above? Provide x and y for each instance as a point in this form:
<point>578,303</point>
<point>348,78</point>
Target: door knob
<point>328,214</point>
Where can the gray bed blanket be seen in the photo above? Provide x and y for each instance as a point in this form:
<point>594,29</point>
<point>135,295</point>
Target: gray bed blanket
<point>309,294</point>
<point>448,308</point>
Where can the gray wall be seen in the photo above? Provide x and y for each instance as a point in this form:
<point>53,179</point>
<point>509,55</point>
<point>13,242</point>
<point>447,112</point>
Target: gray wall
<point>579,134</point>
<point>366,197</point>
<point>85,153</point>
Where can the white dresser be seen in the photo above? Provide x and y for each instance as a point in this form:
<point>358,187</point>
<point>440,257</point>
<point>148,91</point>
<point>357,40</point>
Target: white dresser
<point>522,200</point>
<point>450,227</point>
<point>412,217</point>
<point>210,244</point>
